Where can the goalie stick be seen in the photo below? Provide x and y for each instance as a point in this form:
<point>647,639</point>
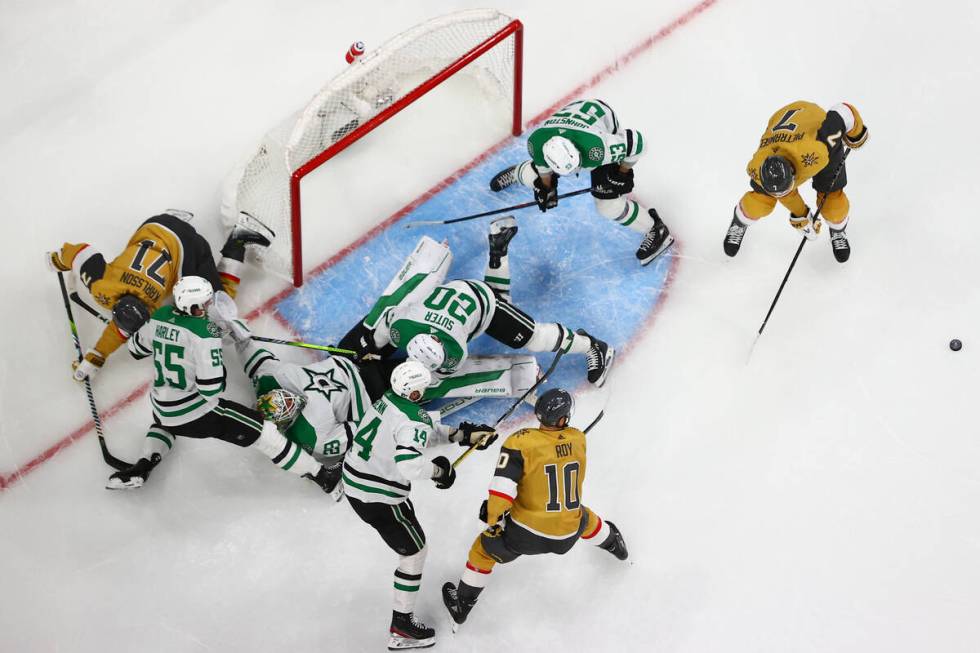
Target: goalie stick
<point>107,456</point>
<point>513,407</point>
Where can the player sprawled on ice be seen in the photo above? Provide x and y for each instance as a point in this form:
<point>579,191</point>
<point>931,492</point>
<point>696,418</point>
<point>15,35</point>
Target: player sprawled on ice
<point>136,283</point>
<point>316,405</point>
<point>535,504</point>
<point>586,135</point>
<point>386,456</point>
<point>189,379</point>
<point>433,321</point>
<point>801,142</point>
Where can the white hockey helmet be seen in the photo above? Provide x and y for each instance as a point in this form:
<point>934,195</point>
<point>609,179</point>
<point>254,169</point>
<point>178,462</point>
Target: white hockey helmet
<point>279,406</point>
<point>410,379</point>
<point>561,155</point>
<point>192,295</point>
<point>426,349</point>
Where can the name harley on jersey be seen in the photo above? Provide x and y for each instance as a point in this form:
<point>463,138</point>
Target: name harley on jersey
<point>163,332</point>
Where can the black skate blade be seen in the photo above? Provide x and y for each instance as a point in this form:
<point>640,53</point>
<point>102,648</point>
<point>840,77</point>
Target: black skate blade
<point>660,250</point>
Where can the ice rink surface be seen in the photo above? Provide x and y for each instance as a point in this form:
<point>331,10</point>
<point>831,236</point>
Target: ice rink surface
<point>821,498</point>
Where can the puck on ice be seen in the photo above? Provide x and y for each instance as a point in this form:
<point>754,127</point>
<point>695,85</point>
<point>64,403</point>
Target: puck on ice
<point>955,344</point>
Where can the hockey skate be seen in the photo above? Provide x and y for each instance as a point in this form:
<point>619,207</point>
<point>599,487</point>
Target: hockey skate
<point>248,230</point>
<point>733,239</point>
<point>840,244</point>
<point>599,359</point>
<point>328,479</point>
<point>135,475</point>
<point>614,542</point>
<point>408,632</point>
<point>459,601</point>
<point>504,179</point>
<point>656,242</point>
<point>502,231</point>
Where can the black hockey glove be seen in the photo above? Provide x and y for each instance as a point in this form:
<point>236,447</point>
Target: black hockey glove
<point>444,475</point>
<point>467,434</point>
<point>547,198</point>
<point>484,511</point>
<point>609,182</point>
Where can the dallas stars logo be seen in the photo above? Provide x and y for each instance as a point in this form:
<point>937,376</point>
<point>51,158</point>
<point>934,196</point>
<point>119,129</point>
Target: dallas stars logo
<point>325,383</point>
<point>810,159</point>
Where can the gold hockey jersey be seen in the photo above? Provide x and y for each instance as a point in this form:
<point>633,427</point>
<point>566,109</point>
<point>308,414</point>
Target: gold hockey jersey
<point>539,480</point>
<point>807,136</point>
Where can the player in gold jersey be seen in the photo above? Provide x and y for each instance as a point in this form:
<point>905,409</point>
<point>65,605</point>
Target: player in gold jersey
<point>137,282</point>
<point>535,504</point>
<point>802,142</point>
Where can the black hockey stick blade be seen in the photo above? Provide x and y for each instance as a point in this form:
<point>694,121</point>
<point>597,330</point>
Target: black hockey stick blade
<point>81,302</point>
<point>116,463</point>
<point>598,417</point>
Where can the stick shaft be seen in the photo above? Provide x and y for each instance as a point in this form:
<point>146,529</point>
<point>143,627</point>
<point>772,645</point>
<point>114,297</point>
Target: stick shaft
<point>494,212</point>
<point>306,345</point>
<point>510,411</point>
<point>816,216</point>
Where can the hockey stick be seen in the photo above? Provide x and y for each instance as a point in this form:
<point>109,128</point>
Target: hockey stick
<point>307,345</point>
<point>110,460</point>
<point>81,302</point>
<point>293,343</point>
<point>816,216</point>
<point>513,407</point>
<point>494,212</point>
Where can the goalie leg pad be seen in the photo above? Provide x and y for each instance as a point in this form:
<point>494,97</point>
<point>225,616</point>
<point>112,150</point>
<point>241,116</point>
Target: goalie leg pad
<point>488,376</point>
<point>424,269</point>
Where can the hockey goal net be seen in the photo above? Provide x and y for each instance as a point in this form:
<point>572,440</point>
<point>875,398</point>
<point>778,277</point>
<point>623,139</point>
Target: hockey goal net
<point>481,44</point>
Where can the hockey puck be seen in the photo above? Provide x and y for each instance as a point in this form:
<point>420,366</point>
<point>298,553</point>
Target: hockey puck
<point>955,344</point>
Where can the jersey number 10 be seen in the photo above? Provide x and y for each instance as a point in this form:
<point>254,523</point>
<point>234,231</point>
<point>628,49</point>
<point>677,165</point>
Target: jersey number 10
<point>568,479</point>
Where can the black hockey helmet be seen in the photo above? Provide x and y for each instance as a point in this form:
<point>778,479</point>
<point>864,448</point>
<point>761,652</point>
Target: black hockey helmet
<point>553,406</point>
<point>776,175</point>
<point>130,313</point>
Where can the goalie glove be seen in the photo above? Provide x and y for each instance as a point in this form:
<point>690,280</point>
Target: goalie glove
<point>224,312</point>
<point>443,473</point>
<point>86,368</point>
<point>547,198</point>
<point>806,225</point>
<point>468,434</point>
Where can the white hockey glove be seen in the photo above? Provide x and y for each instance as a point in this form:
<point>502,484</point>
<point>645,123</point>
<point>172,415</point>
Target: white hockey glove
<point>88,366</point>
<point>224,312</point>
<point>806,225</point>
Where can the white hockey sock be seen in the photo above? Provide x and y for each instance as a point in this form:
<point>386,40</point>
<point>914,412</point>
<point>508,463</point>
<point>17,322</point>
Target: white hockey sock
<point>599,535</point>
<point>284,453</point>
<point>231,267</point>
<point>551,336</point>
<point>626,213</point>
<point>408,579</point>
<point>474,578</point>
<point>157,441</point>
<point>525,174</point>
<point>499,278</point>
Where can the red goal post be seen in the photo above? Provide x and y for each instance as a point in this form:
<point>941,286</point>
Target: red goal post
<point>483,42</point>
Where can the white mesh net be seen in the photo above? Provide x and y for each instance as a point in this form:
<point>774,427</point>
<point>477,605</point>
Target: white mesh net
<point>383,76</point>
